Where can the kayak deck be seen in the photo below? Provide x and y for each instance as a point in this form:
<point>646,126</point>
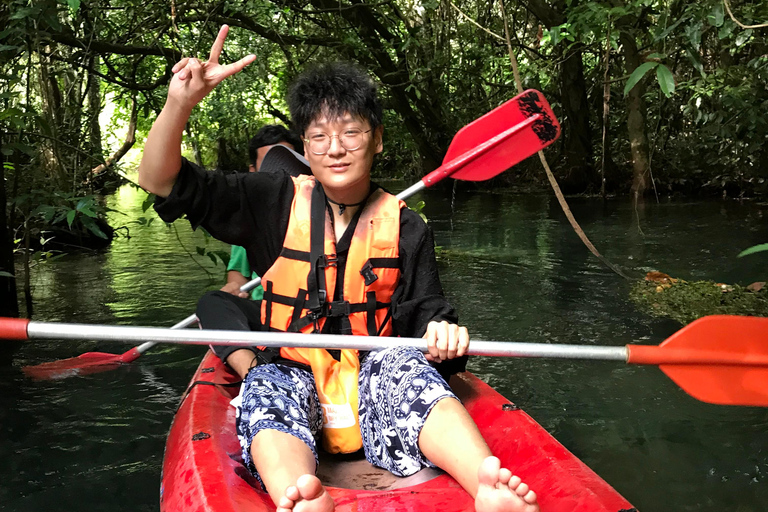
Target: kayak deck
<point>203,470</point>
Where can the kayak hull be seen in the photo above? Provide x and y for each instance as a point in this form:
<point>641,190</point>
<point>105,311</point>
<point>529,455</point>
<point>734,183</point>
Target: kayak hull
<point>203,471</point>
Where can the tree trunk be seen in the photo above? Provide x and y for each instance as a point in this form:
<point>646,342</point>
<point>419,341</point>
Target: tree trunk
<point>94,109</point>
<point>8,303</point>
<point>636,113</point>
<point>576,129</point>
<point>195,146</point>
<point>577,137</point>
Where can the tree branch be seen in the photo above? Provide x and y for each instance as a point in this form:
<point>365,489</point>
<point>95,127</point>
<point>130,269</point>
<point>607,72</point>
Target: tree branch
<point>103,47</point>
<point>130,140</point>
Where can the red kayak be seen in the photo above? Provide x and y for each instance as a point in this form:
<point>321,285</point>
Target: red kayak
<point>203,471</point>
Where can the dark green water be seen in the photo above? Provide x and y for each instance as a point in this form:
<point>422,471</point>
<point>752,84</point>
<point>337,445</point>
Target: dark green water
<point>95,443</point>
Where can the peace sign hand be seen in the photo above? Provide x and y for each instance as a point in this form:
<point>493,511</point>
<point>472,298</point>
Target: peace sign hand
<point>193,80</point>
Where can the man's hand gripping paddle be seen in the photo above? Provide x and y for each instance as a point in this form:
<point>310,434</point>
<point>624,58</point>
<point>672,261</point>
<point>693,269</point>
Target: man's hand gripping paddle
<point>486,147</point>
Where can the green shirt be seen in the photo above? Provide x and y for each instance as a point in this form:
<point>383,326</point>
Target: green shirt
<point>238,260</point>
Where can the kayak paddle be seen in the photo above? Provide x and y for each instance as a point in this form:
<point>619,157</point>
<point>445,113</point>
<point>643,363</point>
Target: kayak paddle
<point>716,359</point>
<point>479,151</point>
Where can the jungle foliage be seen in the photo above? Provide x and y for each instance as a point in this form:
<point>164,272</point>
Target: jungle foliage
<point>654,96</point>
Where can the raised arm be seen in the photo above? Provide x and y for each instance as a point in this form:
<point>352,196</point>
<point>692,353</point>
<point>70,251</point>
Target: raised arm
<point>191,82</point>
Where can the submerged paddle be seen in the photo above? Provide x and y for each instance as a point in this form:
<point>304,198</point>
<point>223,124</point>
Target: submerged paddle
<point>716,359</point>
<point>481,150</point>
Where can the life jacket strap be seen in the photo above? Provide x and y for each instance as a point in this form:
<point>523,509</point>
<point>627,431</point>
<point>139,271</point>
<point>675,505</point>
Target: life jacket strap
<point>367,271</point>
<point>293,254</point>
<point>370,306</point>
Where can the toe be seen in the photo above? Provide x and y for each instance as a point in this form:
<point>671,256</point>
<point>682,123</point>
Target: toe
<point>286,503</point>
<point>530,497</point>
<point>522,489</point>
<point>292,493</point>
<point>309,487</point>
<point>488,472</point>
<point>504,476</point>
<point>514,482</point>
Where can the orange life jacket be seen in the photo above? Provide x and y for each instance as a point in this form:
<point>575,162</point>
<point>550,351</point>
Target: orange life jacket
<point>299,288</point>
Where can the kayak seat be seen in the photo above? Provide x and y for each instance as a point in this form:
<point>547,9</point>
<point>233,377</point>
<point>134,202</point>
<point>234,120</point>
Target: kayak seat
<point>348,472</point>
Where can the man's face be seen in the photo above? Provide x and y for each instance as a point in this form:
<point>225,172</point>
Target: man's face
<point>261,153</point>
<point>341,170</point>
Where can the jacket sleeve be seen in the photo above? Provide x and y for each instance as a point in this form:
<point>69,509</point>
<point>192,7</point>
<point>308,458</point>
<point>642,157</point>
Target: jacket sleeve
<point>233,208</point>
<point>419,297</point>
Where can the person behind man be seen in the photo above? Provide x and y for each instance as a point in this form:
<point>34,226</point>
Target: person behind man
<point>338,254</point>
<point>239,269</point>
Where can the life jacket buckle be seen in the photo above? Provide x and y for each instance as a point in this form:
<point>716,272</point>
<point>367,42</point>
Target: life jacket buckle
<point>338,308</point>
<point>367,273</point>
<point>328,261</point>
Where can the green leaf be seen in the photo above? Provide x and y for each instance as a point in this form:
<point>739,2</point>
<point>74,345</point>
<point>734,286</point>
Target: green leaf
<point>743,37</point>
<point>656,56</point>
<point>725,31</point>
<point>87,210</point>
<point>638,74</point>
<point>6,274</point>
<point>93,228</point>
<point>753,250</point>
<point>693,32</point>
<point>149,201</point>
<point>666,80</point>
<point>716,16</point>
<point>22,13</point>
<point>696,62</point>
<point>74,4</point>
<point>71,217</point>
<point>9,112</point>
<point>669,29</point>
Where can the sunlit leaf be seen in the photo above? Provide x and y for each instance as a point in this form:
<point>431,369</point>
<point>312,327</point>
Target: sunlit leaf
<point>753,250</point>
<point>743,37</point>
<point>638,75</point>
<point>666,80</point>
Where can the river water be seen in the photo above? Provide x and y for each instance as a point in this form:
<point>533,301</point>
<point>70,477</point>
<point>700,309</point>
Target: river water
<point>516,272</point>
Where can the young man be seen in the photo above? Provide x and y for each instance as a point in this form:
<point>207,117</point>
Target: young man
<point>338,255</point>
<point>239,269</point>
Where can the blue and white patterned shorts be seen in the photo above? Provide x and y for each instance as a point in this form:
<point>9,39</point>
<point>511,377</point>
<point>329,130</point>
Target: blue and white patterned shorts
<point>397,390</point>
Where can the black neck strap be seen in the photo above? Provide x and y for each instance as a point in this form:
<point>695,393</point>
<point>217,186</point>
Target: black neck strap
<point>344,206</point>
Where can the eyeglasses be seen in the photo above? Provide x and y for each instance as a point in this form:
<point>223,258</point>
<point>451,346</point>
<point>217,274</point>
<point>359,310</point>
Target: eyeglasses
<point>319,143</point>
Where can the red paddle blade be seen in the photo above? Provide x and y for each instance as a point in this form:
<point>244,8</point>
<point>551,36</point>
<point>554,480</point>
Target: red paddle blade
<point>90,362</point>
<point>525,124</point>
<point>716,359</point>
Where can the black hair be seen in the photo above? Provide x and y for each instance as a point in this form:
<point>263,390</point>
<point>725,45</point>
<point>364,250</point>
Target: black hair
<point>272,134</point>
<point>333,89</point>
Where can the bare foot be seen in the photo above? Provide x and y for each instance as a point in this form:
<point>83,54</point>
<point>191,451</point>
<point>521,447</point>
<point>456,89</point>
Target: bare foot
<point>308,495</point>
<point>500,491</point>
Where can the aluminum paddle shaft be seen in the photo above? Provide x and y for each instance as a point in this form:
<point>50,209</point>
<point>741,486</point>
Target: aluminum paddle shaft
<point>25,329</point>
